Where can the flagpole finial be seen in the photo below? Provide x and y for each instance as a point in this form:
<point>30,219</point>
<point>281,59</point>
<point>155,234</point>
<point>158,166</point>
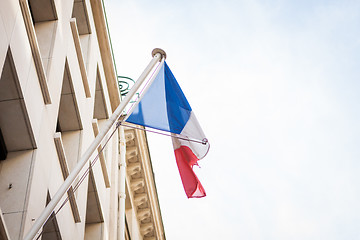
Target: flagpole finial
<point>159,50</point>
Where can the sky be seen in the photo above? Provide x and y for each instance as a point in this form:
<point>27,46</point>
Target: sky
<point>275,86</point>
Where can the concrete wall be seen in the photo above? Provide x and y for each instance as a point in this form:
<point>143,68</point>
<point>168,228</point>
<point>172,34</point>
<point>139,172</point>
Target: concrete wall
<point>33,171</point>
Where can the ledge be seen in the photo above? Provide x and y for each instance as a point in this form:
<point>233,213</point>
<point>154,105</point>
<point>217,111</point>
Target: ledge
<point>35,50</point>
<point>101,155</point>
<point>65,172</point>
<point>80,57</point>
<point>61,154</point>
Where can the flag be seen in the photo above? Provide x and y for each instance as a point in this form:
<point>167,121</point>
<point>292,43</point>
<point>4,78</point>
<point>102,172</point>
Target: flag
<point>165,107</point>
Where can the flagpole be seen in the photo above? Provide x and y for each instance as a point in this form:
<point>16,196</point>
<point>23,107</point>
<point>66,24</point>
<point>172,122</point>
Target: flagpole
<point>122,181</point>
<point>157,54</point>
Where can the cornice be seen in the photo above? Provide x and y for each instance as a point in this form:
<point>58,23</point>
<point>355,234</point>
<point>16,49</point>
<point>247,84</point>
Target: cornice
<point>142,185</point>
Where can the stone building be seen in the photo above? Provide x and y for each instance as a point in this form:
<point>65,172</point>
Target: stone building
<point>58,87</point>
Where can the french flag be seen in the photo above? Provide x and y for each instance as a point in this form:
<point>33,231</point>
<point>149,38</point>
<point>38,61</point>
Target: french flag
<point>165,107</point>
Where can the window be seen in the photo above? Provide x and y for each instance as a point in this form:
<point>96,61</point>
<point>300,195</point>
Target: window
<point>16,131</point>
<point>94,218</point>
<point>51,229</point>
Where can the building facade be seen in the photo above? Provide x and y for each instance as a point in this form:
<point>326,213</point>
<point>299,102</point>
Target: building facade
<point>58,87</point>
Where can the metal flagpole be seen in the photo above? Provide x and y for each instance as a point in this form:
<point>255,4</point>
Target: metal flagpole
<point>122,178</point>
<point>157,54</point>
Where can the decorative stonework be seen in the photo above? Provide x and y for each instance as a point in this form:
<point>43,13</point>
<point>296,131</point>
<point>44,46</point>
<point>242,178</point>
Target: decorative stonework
<point>140,180</point>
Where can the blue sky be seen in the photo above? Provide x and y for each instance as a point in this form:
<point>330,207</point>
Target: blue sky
<point>275,86</point>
